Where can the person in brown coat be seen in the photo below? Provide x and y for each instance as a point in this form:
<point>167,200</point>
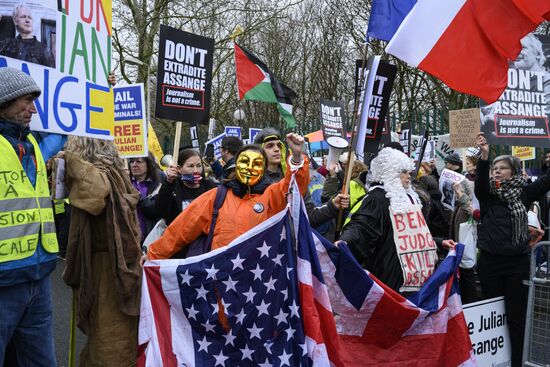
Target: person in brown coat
<point>103,251</point>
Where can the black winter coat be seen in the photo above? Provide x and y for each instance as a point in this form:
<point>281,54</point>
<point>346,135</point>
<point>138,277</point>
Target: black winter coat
<point>369,236</point>
<point>172,195</point>
<point>494,232</point>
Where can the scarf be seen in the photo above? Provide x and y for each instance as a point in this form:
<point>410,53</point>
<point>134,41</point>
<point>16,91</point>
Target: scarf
<point>509,191</point>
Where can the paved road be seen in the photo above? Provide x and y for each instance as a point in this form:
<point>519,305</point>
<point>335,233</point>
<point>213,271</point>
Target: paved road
<point>62,296</point>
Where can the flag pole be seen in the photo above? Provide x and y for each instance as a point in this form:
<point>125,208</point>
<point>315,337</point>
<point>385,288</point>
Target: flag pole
<point>351,150</point>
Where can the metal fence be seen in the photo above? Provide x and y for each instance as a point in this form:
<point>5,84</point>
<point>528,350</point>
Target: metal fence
<point>536,351</point>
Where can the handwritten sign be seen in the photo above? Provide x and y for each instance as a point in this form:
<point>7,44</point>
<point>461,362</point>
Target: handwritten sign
<point>463,127</point>
<point>487,326</point>
<point>415,247</point>
<point>524,153</point>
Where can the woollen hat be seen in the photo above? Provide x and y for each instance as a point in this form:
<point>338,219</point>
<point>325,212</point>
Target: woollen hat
<point>454,158</point>
<point>15,83</point>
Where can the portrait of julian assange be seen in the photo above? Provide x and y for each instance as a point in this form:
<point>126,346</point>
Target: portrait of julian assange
<point>28,31</point>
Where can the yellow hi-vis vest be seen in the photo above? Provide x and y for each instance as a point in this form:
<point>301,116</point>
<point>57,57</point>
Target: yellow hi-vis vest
<point>26,214</point>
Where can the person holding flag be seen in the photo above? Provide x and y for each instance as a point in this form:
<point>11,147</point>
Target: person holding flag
<point>250,200</point>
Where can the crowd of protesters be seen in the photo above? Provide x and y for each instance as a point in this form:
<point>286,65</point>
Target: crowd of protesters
<point>113,210</point>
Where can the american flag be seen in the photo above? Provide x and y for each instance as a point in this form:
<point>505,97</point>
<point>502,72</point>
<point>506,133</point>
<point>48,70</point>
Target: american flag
<point>252,303</point>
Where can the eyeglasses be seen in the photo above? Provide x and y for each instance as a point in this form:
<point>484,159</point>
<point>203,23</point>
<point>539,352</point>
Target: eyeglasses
<point>137,161</point>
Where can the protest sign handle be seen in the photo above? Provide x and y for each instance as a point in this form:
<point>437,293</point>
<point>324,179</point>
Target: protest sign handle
<point>426,135</point>
<point>351,151</point>
<point>177,139</point>
<point>72,336</point>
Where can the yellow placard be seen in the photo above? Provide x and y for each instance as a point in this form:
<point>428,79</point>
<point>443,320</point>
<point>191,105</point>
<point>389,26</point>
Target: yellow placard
<point>524,153</point>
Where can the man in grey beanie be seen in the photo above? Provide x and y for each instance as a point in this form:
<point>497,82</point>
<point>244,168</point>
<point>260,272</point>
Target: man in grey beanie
<point>28,243</point>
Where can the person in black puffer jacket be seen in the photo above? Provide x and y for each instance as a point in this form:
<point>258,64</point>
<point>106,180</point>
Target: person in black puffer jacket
<point>503,237</point>
<point>182,184</point>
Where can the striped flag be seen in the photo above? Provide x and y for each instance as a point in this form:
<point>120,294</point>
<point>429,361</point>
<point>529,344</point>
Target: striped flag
<point>467,43</point>
<point>379,327</point>
<point>282,295</point>
<point>256,82</point>
<point>251,303</point>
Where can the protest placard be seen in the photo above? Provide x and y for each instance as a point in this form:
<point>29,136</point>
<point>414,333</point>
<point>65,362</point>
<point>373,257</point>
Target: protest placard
<point>405,138</point>
<point>520,116</point>
<point>447,179</point>
<point>463,127</point>
<point>252,131</point>
<point>184,76</point>
<point>332,119</point>
<point>487,326</point>
<point>153,143</point>
<point>217,143</point>
<point>233,131</point>
<point>71,66</point>
<point>415,247</point>
<point>130,128</point>
<point>383,84</point>
<point>524,153</point>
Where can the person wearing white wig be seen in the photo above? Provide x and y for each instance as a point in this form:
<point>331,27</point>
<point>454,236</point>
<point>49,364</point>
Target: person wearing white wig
<point>370,232</point>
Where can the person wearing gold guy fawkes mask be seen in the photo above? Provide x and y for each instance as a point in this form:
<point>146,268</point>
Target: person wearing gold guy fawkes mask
<point>250,200</point>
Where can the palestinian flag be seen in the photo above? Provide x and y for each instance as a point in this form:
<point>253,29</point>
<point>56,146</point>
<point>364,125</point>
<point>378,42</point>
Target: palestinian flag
<point>255,82</point>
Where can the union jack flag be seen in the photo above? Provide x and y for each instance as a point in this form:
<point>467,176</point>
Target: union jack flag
<point>379,327</point>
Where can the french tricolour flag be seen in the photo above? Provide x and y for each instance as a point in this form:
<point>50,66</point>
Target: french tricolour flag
<point>467,43</point>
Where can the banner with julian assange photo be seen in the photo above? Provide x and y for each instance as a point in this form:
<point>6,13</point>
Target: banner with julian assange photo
<point>184,76</point>
<point>520,116</point>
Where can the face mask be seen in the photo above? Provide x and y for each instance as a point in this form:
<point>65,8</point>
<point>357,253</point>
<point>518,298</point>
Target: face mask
<point>249,167</point>
<point>191,178</point>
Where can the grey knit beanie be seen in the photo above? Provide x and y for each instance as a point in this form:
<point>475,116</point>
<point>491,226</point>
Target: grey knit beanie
<point>15,83</point>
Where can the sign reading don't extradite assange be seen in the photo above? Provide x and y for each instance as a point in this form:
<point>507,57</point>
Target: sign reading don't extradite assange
<point>184,76</point>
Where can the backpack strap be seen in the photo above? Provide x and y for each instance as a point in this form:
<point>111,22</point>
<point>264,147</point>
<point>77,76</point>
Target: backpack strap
<point>221,193</point>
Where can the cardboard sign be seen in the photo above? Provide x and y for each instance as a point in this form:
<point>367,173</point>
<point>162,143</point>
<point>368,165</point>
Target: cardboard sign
<point>130,129</point>
<point>524,153</point>
<point>185,76</point>
<point>463,127</point>
<point>233,131</point>
<point>415,247</point>
<point>70,64</point>
<point>488,329</point>
<point>520,116</point>
<point>333,119</point>
<point>446,182</point>
<point>217,142</point>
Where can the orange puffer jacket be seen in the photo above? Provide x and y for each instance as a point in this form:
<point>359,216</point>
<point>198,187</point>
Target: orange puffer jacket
<point>235,217</point>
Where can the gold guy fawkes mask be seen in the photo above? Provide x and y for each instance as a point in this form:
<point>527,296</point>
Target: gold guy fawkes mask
<point>249,167</point>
